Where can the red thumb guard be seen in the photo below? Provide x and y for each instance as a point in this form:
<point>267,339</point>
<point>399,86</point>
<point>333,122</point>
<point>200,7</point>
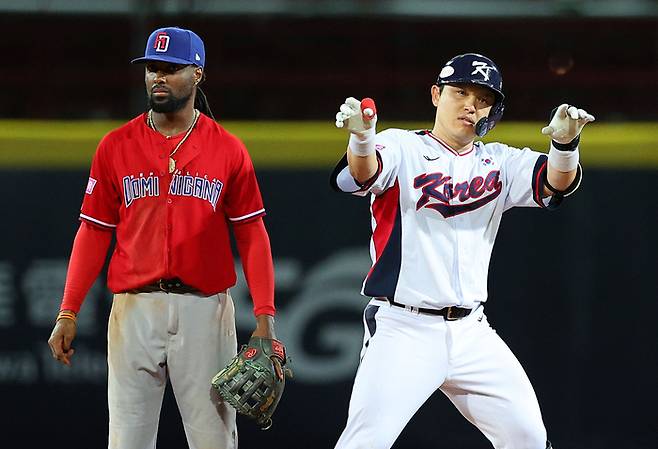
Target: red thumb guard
<point>368,103</point>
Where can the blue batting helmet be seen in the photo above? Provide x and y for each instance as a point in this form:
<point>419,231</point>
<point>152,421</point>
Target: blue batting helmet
<point>472,68</point>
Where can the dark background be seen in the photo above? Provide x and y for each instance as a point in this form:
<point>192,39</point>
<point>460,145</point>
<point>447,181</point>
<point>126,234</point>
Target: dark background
<point>573,292</point>
<point>261,67</point>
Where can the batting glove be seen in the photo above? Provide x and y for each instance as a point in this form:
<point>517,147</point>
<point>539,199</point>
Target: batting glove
<point>360,118</point>
<point>567,123</point>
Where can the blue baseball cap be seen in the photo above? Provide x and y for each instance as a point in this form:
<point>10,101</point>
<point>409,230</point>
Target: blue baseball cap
<point>175,45</point>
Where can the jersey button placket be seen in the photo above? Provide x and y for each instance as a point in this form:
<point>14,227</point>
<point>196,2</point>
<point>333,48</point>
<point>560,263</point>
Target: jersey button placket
<point>456,173</point>
<point>462,171</point>
<point>168,236</point>
<point>163,156</point>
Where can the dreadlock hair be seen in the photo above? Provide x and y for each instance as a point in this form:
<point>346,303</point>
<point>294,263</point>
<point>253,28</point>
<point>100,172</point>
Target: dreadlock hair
<point>201,103</point>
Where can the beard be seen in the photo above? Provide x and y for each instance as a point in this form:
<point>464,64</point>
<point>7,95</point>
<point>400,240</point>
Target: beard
<point>169,104</point>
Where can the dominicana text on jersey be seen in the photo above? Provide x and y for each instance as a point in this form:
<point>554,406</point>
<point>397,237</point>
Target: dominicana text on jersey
<point>135,188</point>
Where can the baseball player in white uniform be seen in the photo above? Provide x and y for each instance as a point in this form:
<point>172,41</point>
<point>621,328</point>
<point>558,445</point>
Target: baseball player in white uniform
<point>437,197</point>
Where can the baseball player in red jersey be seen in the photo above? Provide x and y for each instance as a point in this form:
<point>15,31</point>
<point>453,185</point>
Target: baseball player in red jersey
<point>437,198</point>
<point>169,184</point>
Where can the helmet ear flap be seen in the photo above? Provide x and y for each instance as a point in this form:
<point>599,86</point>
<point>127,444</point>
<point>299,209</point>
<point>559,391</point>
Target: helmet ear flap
<point>486,124</point>
<point>482,126</point>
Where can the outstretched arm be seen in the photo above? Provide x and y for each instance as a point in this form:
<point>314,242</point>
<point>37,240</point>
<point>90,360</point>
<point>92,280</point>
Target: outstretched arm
<point>360,118</point>
<point>564,129</point>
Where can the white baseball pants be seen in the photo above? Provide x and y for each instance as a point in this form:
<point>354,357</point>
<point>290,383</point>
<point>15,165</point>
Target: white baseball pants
<point>408,356</point>
<point>153,337</point>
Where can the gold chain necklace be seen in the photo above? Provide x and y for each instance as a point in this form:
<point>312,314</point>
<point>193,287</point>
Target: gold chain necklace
<point>172,161</point>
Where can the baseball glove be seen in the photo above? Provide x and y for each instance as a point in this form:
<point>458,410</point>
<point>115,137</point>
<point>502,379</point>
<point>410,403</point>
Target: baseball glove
<point>254,380</point>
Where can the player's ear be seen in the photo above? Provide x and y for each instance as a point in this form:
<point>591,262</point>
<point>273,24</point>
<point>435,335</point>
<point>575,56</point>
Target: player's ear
<point>436,93</point>
<point>199,74</point>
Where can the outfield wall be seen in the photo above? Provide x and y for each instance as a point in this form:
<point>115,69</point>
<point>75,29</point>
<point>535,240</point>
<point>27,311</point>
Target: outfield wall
<point>46,145</point>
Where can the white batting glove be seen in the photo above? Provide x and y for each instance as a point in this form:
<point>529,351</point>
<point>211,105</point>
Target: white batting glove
<point>360,118</point>
<point>567,123</point>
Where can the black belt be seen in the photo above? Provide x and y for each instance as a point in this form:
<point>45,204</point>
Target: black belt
<point>451,313</point>
<point>174,285</point>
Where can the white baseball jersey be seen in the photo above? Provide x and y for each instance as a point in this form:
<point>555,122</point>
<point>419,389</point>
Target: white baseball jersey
<point>435,214</point>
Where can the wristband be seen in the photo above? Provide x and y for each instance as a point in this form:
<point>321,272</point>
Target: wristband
<point>567,146</point>
<point>66,314</point>
<point>564,161</point>
<point>363,144</point>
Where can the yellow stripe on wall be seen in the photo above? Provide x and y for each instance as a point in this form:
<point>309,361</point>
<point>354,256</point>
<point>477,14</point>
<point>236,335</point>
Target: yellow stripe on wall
<point>287,144</point>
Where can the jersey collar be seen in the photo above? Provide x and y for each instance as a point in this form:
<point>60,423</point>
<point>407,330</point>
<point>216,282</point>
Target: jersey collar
<point>448,147</point>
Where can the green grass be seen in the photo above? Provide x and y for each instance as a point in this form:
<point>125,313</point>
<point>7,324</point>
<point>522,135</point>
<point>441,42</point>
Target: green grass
<point>71,144</point>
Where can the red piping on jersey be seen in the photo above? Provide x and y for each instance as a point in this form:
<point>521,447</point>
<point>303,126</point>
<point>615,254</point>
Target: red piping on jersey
<point>384,209</point>
<point>538,186</point>
<point>366,185</point>
<point>446,146</point>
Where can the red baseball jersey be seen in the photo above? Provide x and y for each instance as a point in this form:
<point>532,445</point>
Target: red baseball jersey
<point>171,225</point>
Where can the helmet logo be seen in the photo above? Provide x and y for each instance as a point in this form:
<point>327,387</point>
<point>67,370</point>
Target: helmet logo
<point>481,68</point>
<point>446,71</point>
<point>161,43</point>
